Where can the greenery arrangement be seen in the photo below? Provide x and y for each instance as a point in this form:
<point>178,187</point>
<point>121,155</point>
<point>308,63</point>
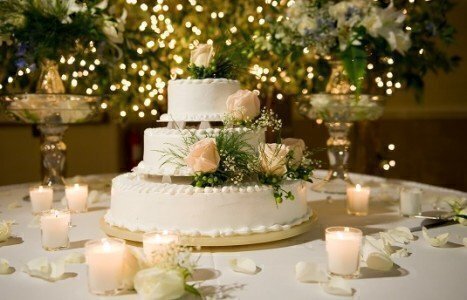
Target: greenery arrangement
<point>159,35</point>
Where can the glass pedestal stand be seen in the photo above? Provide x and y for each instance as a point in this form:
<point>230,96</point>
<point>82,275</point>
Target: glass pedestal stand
<point>52,113</point>
<point>339,112</point>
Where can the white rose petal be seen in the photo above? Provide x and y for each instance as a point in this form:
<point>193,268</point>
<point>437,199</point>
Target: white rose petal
<point>4,266</point>
<point>401,235</point>
<point>243,265</point>
<point>202,55</point>
<point>438,241</point>
<point>74,258</point>
<point>156,283</point>
<point>57,269</point>
<point>464,240</point>
<point>5,231</point>
<point>379,261</point>
<point>403,252</point>
<point>309,272</point>
<point>40,267</point>
<point>338,286</point>
<point>132,264</point>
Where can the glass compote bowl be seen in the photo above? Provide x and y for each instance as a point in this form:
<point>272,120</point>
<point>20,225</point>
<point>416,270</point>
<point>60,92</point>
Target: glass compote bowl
<point>339,112</point>
<point>52,113</point>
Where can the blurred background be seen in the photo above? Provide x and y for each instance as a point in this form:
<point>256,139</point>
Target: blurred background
<point>424,142</point>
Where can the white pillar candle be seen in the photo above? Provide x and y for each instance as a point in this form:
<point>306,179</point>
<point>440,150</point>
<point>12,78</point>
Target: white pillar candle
<point>343,247</point>
<point>41,198</point>
<point>77,197</point>
<point>55,225</point>
<point>105,265</point>
<point>158,243</point>
<point>411,202</point>
<point>358,200</point>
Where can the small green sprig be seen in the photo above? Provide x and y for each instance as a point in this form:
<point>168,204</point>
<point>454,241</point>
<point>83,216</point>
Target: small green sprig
<point>209,179</point>
<point>275,182</point>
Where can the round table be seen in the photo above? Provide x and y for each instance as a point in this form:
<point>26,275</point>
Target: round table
<point>428,273</point>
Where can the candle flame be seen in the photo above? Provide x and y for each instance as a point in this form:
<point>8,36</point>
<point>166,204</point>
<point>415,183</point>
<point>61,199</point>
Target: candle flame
<point>76,185</point>
<point>105,245</point>
<point>346,229</point>
<point>358,187</point>
<point>41,188</point>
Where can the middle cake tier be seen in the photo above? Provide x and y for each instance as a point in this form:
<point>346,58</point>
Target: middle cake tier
<point>158,141</point>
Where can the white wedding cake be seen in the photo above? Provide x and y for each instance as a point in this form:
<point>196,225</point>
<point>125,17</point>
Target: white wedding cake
<point>182,192</point>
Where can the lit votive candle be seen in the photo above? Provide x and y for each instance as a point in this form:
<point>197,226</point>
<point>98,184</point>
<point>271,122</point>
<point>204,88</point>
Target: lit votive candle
<point>104,258</point>
<point>358,200</point>
<point>158,243</point>
<point>411,202</point>
<point>41,198</point>
<point>77,197</point>
<point>55,225</point>
<point>343,247</point>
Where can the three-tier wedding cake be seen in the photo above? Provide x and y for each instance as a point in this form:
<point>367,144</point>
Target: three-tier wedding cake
<point>189,178</point>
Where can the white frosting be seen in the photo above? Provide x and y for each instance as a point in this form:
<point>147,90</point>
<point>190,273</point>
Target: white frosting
<point>141,204</point>
<point>198,99</point>
<point>158,140</point>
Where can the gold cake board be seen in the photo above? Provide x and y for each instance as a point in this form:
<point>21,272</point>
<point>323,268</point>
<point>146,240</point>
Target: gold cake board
<point>221,241</point>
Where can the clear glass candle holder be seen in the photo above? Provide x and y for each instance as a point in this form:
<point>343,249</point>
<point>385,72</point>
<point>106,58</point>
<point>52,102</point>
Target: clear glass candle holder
<point>55,225</point>
<point>105,259</point>
<point>358,200</point>
<point>343,246</point>
<point>410,202</point>
<point>41,198</point>
<point>77,197</point>
<point>159,245</point>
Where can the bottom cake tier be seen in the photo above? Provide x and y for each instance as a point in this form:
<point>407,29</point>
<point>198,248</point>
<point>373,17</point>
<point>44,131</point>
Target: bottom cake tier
<point>146,204</point>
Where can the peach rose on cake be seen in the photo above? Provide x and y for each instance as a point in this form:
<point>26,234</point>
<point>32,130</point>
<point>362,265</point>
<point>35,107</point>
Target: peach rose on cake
<point>204,156</point>
<point>273,159</point>
<point>297,147</point>
<point>202,55</point>
<point>243,105</point>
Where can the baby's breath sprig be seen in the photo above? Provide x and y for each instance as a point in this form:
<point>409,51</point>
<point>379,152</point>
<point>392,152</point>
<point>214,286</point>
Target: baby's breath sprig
<point>304,170</point>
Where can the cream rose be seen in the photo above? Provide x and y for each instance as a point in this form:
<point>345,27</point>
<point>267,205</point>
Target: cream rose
<point>156,283</point>
<point>202,55</point>
<point>243,105</point>
<point>273,158</point>
<point>203,156</point>
<point>5,231</point>
<point>297,146</point>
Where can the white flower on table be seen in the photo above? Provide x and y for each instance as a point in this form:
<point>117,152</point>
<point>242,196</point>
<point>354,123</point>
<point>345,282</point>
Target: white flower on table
<point>244,265</point>
<point>243,105</point>
<point>273,158</point>
<point>203,156</point>
<point>438,241</point>
<point>156,283</point>
<point>202,55</point>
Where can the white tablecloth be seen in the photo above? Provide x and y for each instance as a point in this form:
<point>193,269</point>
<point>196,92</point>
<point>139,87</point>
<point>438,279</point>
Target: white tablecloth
<point>429,273</point>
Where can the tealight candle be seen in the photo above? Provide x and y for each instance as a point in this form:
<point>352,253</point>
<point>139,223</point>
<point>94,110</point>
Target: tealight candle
<point>77,197</point>
<point>104,258</point>
<point>157,243</point>
<point>343,247</point>
<point>41,198</point>
<point>410,202</point>
<point>55,225</point>
<point>358,200</point>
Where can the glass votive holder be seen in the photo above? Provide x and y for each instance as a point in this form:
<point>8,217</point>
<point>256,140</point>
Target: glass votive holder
<point>77,197</point>
<point>358,200</point>
<point>410,202</point>
<point>55,225</point>
<point>105,260</point>
<point>41,198</point>
<point>160,244</point>
<point>343,245</point>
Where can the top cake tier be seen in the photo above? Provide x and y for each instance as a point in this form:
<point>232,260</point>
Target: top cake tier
<point>196,100</point>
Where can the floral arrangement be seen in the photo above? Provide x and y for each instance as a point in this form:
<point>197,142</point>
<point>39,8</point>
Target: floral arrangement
<point>50,29</point>
<point>349,30</point>
<point>228,63</point>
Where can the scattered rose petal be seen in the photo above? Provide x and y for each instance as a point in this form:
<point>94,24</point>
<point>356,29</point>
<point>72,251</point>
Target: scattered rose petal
<point>438,241</point>
<point>464,240</point>
<point>5,231</point>
<point>157,283</point>
<point>132,264</point>
<point>337,286</point>
<point>4,266</point>
<point>379,261</point>
<point>40,267</point>
<point>14,204</point>
<point>243,265</point>
<point>309,272</point>
<point>462,221</point>
<point>401,235</point>
<point>35,222</point>
<point>74,258</point>
<point>402,252</point>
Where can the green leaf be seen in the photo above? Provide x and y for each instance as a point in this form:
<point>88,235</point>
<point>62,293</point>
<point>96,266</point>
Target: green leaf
<point>192,290</point>
<point>355,59</point>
